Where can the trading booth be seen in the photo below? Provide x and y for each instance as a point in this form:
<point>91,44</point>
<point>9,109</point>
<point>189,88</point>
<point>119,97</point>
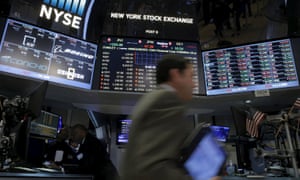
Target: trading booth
<point>100,56</point>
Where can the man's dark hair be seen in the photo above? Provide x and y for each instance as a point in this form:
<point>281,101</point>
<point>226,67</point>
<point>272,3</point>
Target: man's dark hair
<point>78,132</point>
<point>168,62</point>
<point>79,127</point>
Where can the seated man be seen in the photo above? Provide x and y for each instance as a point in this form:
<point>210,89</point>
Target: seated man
<point>91,154</point>
<point>60,152</point>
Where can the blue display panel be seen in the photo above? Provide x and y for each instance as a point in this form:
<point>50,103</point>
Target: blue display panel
<point>123,126</point>
<point>257,66</point>
<point>34,52</point>
<point>129,64</point>
<point>221,133</point>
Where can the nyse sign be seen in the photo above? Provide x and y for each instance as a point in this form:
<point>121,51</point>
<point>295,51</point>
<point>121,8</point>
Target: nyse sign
<point>60,16</point>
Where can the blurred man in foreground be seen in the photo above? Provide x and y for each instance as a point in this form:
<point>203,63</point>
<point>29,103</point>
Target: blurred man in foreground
<point>158,127</point>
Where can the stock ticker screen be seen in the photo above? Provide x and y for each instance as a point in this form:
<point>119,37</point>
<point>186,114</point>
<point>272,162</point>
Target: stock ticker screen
<point>129,64</point>
<point>257,66</point>
<point>34,52</point>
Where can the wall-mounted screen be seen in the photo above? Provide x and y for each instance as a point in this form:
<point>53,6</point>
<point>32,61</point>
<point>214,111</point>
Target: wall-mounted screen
<point>252,67</point>
<point>153,19</point>
<point>34,52</point>
<point>77,18</point>
<point>129,64</point>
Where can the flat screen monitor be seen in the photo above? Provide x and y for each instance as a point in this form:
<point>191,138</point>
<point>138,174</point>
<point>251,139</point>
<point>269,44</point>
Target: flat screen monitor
<point>203,158</point>
<point>36,99</point>
<point>129,64</point>
<point>46,125</point>
<point>252,67</point>
<point>221,133</point>
<point>30,51</point>
<point>123,126</point>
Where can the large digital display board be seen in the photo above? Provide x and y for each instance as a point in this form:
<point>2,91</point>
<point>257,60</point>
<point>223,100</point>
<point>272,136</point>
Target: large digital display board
<point>257,66</point>
<point>34,52</point>
<point>129,64</point>
<point>152,19</point>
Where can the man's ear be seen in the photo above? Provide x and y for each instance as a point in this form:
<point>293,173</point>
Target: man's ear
<point>174,73</point>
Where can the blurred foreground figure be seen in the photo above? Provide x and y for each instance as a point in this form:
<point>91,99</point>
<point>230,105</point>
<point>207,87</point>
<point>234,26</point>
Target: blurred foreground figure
<point>159,126</point>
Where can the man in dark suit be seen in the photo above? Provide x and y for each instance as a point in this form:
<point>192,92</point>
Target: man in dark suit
<point>58,152</point>
<point>91,154</point>
<point>158,127</point>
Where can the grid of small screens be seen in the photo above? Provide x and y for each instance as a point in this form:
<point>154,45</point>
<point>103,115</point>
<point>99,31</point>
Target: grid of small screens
<point>34,52</point>
<point>123,126</point>
<point>129,64</point>
<point>252,67</point>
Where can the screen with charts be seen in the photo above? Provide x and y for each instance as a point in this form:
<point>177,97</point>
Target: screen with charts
<point>34,52</point>
<point>257,66</point>
<point>46,125</point>
<point>128,64</point>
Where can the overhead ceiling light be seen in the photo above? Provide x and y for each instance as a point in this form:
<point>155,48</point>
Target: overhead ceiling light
<point>248,101</point>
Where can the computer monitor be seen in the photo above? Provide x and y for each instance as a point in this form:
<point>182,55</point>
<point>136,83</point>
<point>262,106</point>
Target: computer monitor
<point>30,51</point>
<point>36,99</point>
<point>221,133</point>
<point>202,156</point>
<point>123,126</point>
<point>46,125</point>
<point>129,64</point>
<point>250,67</point>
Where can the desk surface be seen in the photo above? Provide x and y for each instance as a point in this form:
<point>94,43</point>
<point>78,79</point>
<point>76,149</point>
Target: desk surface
<point>260,178</point>
<point>42,175</point>
<point>56,176</point>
